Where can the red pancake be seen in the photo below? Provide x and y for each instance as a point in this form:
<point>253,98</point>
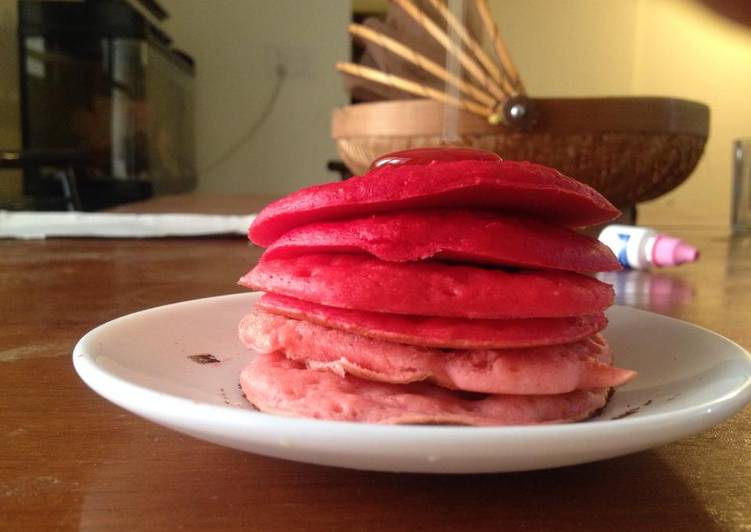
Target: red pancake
<point>466,236</point>
<point>277,385</point>
<point>456,333</point>
<point>430,288</point>
<point>511,187</point>
<point>531,371</point>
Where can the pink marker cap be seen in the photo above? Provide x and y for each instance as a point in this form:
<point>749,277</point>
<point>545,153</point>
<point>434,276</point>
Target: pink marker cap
<point>670,251</point>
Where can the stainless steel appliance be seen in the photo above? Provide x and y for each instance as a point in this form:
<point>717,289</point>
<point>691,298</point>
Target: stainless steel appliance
<point>101,79</point>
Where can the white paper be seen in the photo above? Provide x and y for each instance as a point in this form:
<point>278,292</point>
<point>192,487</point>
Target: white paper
<point>34,225</point>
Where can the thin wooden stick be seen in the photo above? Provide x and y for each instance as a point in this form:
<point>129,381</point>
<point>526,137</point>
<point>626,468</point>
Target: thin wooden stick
<point>421,61</point>
<point>473,45</point>
<point>412,87</point>
<point>499,46</point>
<point>466,61</point>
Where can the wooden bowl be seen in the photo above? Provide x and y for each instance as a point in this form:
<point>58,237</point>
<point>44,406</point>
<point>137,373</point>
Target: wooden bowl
<point>629,149</point>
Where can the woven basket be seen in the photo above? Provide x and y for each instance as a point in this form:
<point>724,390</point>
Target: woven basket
<point>629,149</point>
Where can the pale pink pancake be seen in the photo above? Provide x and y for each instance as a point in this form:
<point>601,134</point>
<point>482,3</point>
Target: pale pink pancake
<point>509,187</point>
<point>430,288</point>
<point>277,385</point>
<point>455,235</point>
<point>456,333</point>
<point>531,371</point>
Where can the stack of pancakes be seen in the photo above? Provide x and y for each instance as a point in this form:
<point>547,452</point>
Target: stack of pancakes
<point>434,290</point>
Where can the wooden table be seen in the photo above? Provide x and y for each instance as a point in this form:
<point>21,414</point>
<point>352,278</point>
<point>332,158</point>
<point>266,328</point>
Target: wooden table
<point>71,460</point>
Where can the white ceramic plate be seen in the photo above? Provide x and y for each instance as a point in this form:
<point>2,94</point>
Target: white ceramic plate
<point>689,379</point>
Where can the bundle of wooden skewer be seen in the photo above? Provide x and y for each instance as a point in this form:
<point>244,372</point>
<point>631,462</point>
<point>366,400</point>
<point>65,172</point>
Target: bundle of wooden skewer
<point>410,54</point>
<point>438,72</point>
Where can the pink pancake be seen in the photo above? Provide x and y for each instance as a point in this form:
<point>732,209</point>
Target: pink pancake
<point>277,385</point>
<point>429,288</point>
<point>476,237</point>
<point>510,187</point>
<point>457,333</point>
<point>531,371</point>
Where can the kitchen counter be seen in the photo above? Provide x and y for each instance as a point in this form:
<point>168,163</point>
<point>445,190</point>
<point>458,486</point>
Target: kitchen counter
<point>71,460</point>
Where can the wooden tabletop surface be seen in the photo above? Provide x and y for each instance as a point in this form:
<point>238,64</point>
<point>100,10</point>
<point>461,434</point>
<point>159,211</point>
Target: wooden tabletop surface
<point>69,460</point>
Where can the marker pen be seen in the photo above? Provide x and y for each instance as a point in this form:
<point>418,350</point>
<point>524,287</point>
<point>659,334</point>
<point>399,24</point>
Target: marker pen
<point>639,248</point>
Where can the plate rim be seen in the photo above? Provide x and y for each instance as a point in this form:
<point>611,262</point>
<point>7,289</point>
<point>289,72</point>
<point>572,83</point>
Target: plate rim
<point>88,369</point>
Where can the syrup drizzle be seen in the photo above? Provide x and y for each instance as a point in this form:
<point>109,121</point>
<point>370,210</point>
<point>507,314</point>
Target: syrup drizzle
<point>425,156</point>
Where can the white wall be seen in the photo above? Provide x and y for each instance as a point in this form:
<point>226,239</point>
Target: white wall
<point>570,47</point>
<point>685,50</point>
<point>236,44</point>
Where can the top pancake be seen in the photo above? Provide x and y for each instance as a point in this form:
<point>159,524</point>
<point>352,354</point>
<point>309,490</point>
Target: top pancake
<point>478,237</point>
<point>509,187</point>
